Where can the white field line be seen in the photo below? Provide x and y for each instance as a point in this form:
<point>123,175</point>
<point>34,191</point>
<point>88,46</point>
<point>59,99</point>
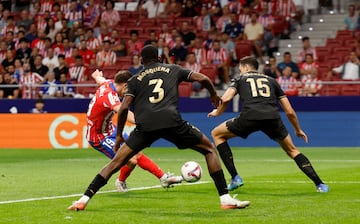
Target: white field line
<point>100,192</point>
<point>159,186</point>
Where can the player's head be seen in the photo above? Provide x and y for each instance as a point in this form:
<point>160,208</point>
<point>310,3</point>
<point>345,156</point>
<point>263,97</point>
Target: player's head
<point>120,81</point>
<point>248,64</point>
<point>149,54</point>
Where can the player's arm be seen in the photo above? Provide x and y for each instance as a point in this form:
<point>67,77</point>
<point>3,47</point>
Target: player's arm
<point>206,83</point>
<point>292,117</point>
<point>122,117</point>
<point>225,99</point>
<point>130,116</point>
<point>98,76</point>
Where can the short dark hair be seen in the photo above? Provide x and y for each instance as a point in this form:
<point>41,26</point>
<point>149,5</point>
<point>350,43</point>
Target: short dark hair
<point>305,38</point>
<point>122,76</point>
<point>149,54</point>
<point>251,61</point>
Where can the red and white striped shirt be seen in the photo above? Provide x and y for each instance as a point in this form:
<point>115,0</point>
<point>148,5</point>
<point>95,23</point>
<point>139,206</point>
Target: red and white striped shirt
<point>46,5</point>
<point>201,55</point>
<point>313,84</point>
<point>110,17</point>
<point>39,44</point>
<point>100,113</point>
<point>193,67</point>
<point>41,24</point>
<point>65,7</point>
<point>73,16</point>
<point>93,43</point>
<point>77,73</point>
<point>244,19</point>
<point>105,58</point>
<point>286,8</point>
<point>217,57</point>
<point>270,4</point>
<point>266,20</point>
<point>288,85</point>
<point>27,82</point>
<point>6,29</point>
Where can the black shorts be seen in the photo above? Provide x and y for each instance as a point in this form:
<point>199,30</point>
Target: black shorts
<point>183,136</point>
<point>274,128</point>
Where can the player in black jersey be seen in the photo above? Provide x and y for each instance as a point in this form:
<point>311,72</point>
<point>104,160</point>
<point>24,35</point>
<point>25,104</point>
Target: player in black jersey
<point>259,95</point>
<point>154,95</point>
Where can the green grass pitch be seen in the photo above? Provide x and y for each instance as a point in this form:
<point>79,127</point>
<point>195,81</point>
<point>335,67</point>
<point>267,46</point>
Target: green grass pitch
<point>36,186</point>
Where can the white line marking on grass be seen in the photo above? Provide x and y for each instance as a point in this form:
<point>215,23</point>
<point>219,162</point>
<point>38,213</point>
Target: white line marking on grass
<point>100,192</point>
<point>159,186</point>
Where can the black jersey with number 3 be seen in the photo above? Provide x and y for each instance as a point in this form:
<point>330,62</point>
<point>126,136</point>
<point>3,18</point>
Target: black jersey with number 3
<point>155,92</point>
<point>259,94</point>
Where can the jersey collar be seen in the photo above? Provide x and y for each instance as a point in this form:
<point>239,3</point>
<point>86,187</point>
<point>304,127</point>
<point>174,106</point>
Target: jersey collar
<point>113,86</point>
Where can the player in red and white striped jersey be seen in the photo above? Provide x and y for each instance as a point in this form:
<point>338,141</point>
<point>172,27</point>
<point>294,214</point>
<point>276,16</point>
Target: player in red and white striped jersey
<point>101,132</point>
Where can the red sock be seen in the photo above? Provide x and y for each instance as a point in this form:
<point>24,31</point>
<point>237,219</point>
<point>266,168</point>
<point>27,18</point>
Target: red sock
<point>125,172</point>
<point>147,164</point>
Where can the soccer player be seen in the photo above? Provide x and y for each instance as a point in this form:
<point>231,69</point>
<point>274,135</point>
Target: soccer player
<point>154,96</point>
<point>101,132</point>
<point>259,95</point>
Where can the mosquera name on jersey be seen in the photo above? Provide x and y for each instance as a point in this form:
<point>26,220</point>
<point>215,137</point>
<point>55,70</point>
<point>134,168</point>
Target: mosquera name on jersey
<point>155,92</point>
<point>100,112</point>
<point>259,94</point>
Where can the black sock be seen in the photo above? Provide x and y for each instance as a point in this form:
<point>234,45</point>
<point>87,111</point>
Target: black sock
<point>305,165</point>
<point>98,182</point>
<point>220,182</point>
<point>227,158</point>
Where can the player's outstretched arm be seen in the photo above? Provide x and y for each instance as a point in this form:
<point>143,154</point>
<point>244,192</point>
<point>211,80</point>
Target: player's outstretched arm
<point>292,117</point>
<point>206,82</point>
<point>225,99</point>
<point>122,117</point>
<point>98,76</point>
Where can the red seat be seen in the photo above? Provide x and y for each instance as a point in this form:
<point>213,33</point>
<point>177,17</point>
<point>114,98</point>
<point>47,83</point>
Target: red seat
<point>349,42</point>
<point>140,29</point>
<point>180,20</point>
<point>162,20</point>
<point>86,88</point>
<point>147,29</point>
<point>350,90</point>
<point>243,48</point>
<point>110,71</point>
<point>330,90</point>
<point>185,89</point>
<point>321,52</point>
<point>124,59</point>
<point>344,35</point>
<point>147,22</point>
<point>210,71</point>
<point>331,42</point>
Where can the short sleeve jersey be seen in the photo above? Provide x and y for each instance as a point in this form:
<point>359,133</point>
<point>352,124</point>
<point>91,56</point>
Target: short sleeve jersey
<point>155,92</point>
<point>259,94</point>
<point>100,112</point>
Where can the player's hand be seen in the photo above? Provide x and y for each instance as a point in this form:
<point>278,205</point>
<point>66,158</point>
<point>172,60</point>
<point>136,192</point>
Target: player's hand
<point>215,100</point>
<point>119,140</point>
<point>213,113</point>
<point>302,135</point>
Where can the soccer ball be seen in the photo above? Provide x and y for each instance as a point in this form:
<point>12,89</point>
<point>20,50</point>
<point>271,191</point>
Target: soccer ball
<point>191,171</point>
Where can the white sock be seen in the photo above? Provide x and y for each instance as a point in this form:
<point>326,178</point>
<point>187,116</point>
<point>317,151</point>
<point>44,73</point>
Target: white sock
<point>84,199</point>
<point>164,176</point>
<point>224,197</point>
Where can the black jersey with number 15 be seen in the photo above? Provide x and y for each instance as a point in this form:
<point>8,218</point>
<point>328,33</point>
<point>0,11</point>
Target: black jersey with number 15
<point>155,92</point>
<point>259,94</point>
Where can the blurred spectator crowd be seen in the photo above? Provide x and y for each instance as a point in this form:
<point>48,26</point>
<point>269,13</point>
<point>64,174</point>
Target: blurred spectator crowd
<point>49,48</point>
